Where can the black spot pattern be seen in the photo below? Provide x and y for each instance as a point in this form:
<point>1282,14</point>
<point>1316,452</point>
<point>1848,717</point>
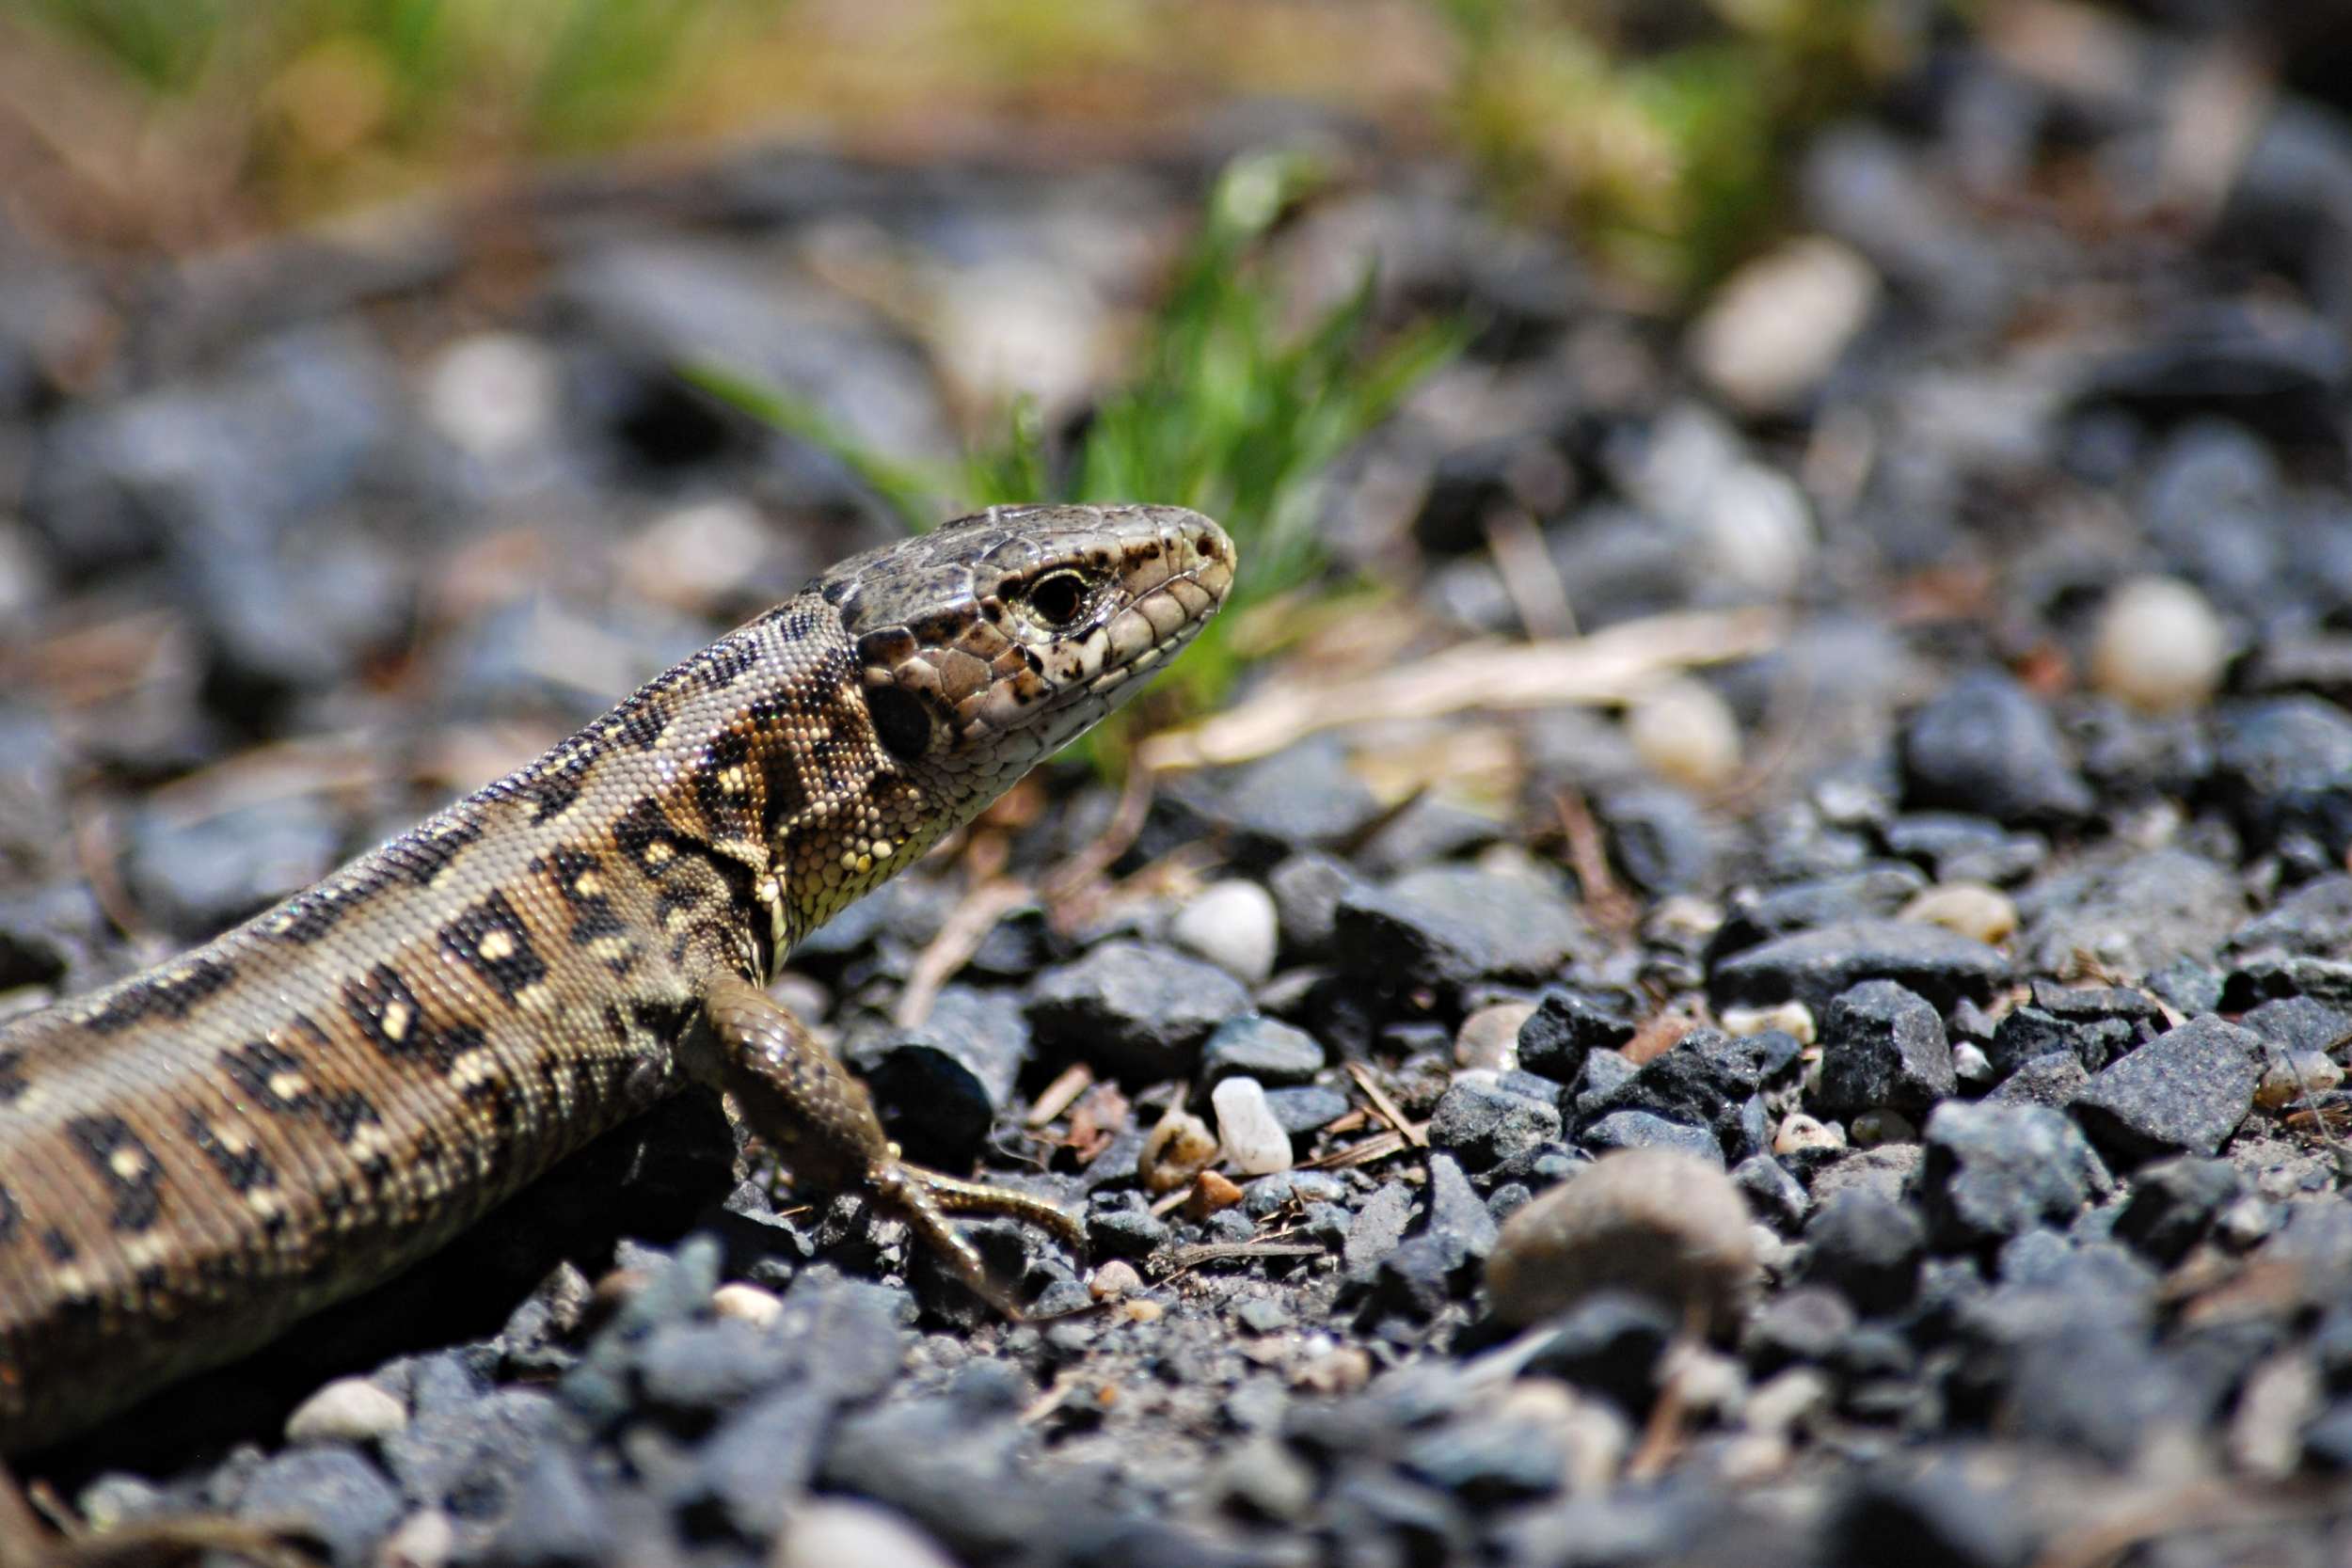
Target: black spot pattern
<point>309,916</point>
<point>11,1216</point>
<point>171,996</point>
<point>252,1066</point>
<point>490,938</point>
<point>11,1075</point>
<point>641,724</point>
<point>137,1183</point>
<point>593,915</point>
<point>346,1112</point>
<point>242,1171</point>
<point>388,1013</point>
<point>650,839</point>
<point>58,1246</point>
<point>550,791</point>
<point>424,854</point>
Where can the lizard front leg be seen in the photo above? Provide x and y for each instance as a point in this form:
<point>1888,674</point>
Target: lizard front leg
<point>819,1119</point>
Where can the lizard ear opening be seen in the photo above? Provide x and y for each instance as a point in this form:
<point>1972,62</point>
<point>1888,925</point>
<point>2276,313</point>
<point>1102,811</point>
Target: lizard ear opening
<point>900,721</point>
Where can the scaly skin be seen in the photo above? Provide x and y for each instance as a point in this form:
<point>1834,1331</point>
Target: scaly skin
<point>193,1158</point>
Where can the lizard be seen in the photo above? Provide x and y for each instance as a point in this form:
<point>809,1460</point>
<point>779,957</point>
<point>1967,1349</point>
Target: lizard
<point>193,1158</point>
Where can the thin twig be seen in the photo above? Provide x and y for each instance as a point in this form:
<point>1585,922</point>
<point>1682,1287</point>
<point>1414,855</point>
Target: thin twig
<point>1060,1095</point>
<point>1398,1121</point>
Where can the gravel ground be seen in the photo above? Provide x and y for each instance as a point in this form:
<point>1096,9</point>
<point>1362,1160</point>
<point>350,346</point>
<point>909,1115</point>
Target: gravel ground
<point>1870,1101</point>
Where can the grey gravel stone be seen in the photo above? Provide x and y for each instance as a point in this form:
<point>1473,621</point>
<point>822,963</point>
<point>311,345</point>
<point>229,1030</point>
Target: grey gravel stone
<point>1272,1052</point>
<point>1568,1026</point>
<point>1138,1010</point>
<point>1778,1199</point>
<point>2133,917</point>
<point>1815,967</point>
<point>2284,768</point>
<point>1868,1246</point>
<point>939,1085</point>
<point>1623,1130</point>
<point>1883,1046</point>
<point>339,1499</point>
<point>2185,1092</point>
<point>1307,1108</point>
<point>1485,1122</point>
<point>1449,925</point>
<point>1995,1171</point>
<point>2055,1081</point>
<point>2173,1203</point>
<point>1985,744</point>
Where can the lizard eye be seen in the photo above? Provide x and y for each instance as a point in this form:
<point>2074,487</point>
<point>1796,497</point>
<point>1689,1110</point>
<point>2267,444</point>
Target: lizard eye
<point>1059,598</point>
<point>900,722</point>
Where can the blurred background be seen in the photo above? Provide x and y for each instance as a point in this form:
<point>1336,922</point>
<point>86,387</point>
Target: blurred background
<point>385,384</point>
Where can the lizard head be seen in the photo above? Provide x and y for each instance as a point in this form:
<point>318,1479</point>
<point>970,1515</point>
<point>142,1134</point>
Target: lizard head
<point>990,644</point>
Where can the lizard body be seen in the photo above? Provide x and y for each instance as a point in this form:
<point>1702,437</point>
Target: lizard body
<point>196,1157</point>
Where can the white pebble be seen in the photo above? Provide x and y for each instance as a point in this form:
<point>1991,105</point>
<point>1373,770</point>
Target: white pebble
<point>1971,909</point>
<point>1799,1133</point>
<point>1757,530</point>
<point>1254,1140</point>
<point>747,1304</point>
<point>1970,1065</point>
<point>492,395</point>
<point>1489,1038</point>
<point>694,556</point>
<point>426,1539</point>
<point>1113,1280</point>
<point>1777,324</point>
<point>348,1410</point>
<point>1656,1221</point>
<point>1789,1018</point>
<point>831,1532</point>
<point>2159,645</point>
<point>2291,1075</point>
<point>1685,734</point>
<point>1232,925</point>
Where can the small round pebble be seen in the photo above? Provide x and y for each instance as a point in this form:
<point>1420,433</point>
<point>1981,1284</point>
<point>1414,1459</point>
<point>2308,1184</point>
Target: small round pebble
<point>348,1410</point>
<point>2291,1075</point>
<point>1657,1221</point>
<point>1489,1038</point>
<point>1971,909</point>
<point>2159,646</point>
<point>1685,734</point>
<point>492,394</point>
<point>1213,1193</point>
<point>830,1532</point>
<point>747,1304</point>
<point>1114,1279</point>
<point>1232,925</point>
<point>1800,1134</point>
<point>1789,1018</point>
<point>1252,1135</point>
<point>1872,1128</point>
<point>1178,1148</point>
<point>426,1539</point>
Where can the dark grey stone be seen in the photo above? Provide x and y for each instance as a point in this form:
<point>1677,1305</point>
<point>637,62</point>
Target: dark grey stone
<point>1990,1172</point>
<point>1378,1230</point>
<point>2284,768</point>
<point>467,1458</point>
<point>1950,1508</point>
<point>1566,1026</point>
<point>1985,744</point>
<point>1483,1122</point>
<point>1751,916</point>
<point>697,1369</point>
<point>2136,915</point>
<point>202,874</point>
<point>1304,797</point>
<point>1306,1108</point>
<point>1774,1196</point>
<point>1707,1080</point>
<point>1487,1461</point>
<point>1307,889</point>
<point>1958,849</point>
<point>2028,1033</point>
<point>759,1460</point>
<point>2055,1081</point>
<point>1609,1342</point>
<point>1447,927</point>
<point>2313,920</point>
<point>1815,967</point>
<point>1661,839</point>
<point>2173,1203</point>
<point>1869,1247</point>
<point>558,1519</point>
<point>337,1497</point>
<point>1883,1046</point>
<point>1141,1011</point>
<point>1640,1130</point>
<point>1603,1074</point>
<point>2183,1092</point>
<point>1804,1324</point>
<point>1266,1049</point>
<point>2299,1023</point>
<point>939,1085</point>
